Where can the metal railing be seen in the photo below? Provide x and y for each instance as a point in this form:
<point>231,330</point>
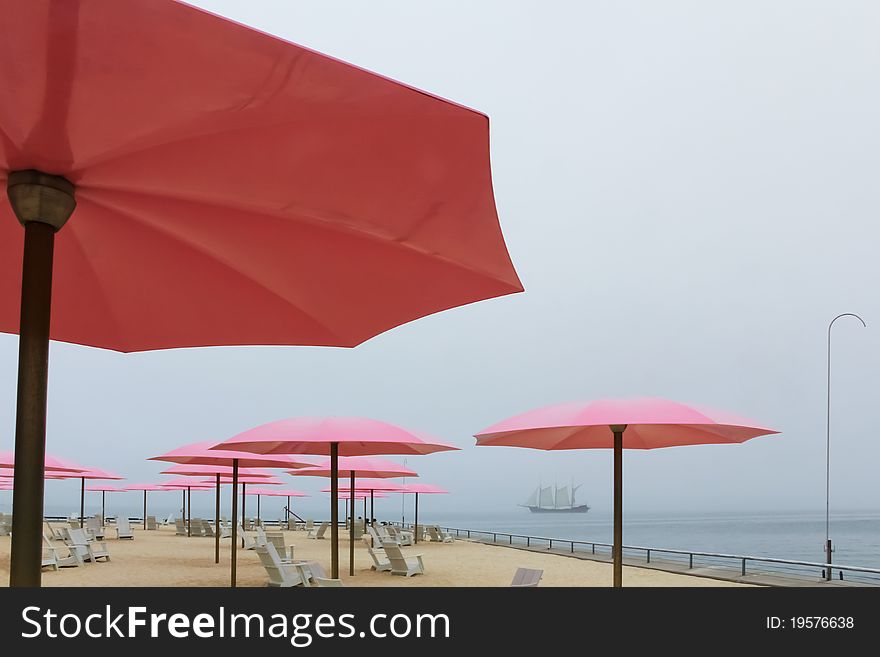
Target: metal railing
<point>732,564</point>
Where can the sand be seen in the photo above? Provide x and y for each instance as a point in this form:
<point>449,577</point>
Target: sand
<point>159,558</point>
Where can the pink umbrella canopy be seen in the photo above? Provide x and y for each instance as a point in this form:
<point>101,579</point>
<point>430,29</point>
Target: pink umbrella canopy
<point>248,479</point>
<point>182,483</point>
<point>336,437</point>
<point>89,473</point>
<point>620,423</point>
<point>145,487</point>
<point>205,454</point>
<point>226,169</point>
<point>359,466</point>
<point>358,494</point>
<point>355,436</point>
<point>423,489</point>
<point>377,485</point>
<point>651,423</point>
<point>277,492</point>
<point>52,463</point>
<point>222,470</point>
<point>106,488</point>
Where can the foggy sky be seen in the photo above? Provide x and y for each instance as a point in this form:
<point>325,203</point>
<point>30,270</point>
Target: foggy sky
<point>689,193</point>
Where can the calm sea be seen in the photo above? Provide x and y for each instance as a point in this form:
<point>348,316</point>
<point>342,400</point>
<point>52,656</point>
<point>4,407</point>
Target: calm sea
<point>798,536</point>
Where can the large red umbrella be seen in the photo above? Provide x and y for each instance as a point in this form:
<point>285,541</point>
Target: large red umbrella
<point>336,436</point>
<point>219,462</point>
<point>190,165</point>
<point>619,424</point>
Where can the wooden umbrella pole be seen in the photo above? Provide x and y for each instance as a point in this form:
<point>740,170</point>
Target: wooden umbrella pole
<point>189,511</point>
<point>243,509</point>
<point>103,507</point>
<point>416,533</point>
<point>334,509</point>
<point>288,513</point>
<point>618,430</point>
<point>217,519</point>
<point>351,528</point>
<point>145,509</point>
<point>365,514</point>
<point>234,520</point>
<point>82,501</point>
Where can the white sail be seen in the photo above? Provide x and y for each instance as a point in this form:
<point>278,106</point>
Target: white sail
<point>573,491</point>
<point>562,499</point>
<point>546,497</point>
<point>533,498</point>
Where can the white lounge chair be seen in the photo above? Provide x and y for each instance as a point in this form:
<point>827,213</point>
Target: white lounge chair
<point>52,533</point>
<point>310,525</point>
<point>380,559</point>
<point>151,523</point>
<point>5,524</point>
<point>249,542</point>
<point>280,574</point>
<point>94,527</point>
<point>526,577</point>
<point>123,528</point>
<point>179,527</point>
<point>320,531</point>
<point>168,519</point>
<point>327,582</point>
<point>88,550</point>
<point>70,560</point>
<point>439,536</point>
<point>403,565</point>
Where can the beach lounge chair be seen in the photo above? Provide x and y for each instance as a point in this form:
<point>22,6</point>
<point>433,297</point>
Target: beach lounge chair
<point>310,525</point>
<point>526,577</point>
<point>151,523</point>
<point>327,582</point>
<point>70,560</point>
<point>320,531</point>
<point>88,550</point>
<point>439,536</point>
<point>49,560</point>
<point>5,524</point>
<point>52,533</point>
<point>280,574</point>
<point>94,527</point>
<point>123,528</point>
<point>248,541</point>
<point>311,571</point>
<point>380,559</point>
<point>179,527</point>
<point>168,519</point>
<point>403,565</point>
<point>398,535</point>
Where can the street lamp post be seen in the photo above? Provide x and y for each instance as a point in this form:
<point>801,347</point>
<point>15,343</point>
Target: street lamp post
<point>828,549</point>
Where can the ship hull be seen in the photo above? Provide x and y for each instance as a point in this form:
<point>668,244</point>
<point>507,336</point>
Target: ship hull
<point>581,508</point>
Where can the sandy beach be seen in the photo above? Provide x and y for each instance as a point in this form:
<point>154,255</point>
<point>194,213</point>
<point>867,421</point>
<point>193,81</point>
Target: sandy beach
<point>160,558</point>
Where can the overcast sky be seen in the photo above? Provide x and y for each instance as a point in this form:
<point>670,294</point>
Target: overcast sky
<point>689,193</point>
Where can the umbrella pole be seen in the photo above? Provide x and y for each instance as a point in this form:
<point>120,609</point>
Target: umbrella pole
<point>103,513</point>
<point>42,203</point>
<point>288,513</point>
<point>258,510</point>
<point>416,533</point>
<point>351,529</point>
<point>234,519</point>
<point>618,430</point>
<point>82,501</point>
<point>334,508</point>
<point>365,514</point>
<point>189,512</point>
<point>243,509</point>
<point>217,520</point>
<point>145,509</point>
<point>372,508</point>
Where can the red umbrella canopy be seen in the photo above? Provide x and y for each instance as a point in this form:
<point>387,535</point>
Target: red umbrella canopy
<point>371,485</point>
<point>423,489</point>
<point>235,188</point>
<point>185,482</point>
<point>360,495</point>
<point>221,460</point>
<point>247,479</point>
<point>650,423</point>
<point>356,436</point>
<point>106,488</point>
<point>146,487</point>
<point>361,467</point>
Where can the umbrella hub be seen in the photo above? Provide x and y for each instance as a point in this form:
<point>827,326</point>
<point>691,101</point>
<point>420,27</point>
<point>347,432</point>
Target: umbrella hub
<point>42,197</point>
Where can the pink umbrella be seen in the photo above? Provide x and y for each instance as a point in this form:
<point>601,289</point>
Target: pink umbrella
<point>51,463</point>
<point>204,454</point>
<point>374,485</point>
<point>82,475</point>
<point>421,489</point>
<point>351,467</point>
<point>226,169</point>
<point>146,488</point>
<point>104,489</point>
<point>288,493</point>
<point>619,424</point>
<point>336,436</point>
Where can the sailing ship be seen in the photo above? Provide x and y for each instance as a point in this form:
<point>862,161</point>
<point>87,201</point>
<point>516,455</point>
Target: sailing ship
<point>552,499</point>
